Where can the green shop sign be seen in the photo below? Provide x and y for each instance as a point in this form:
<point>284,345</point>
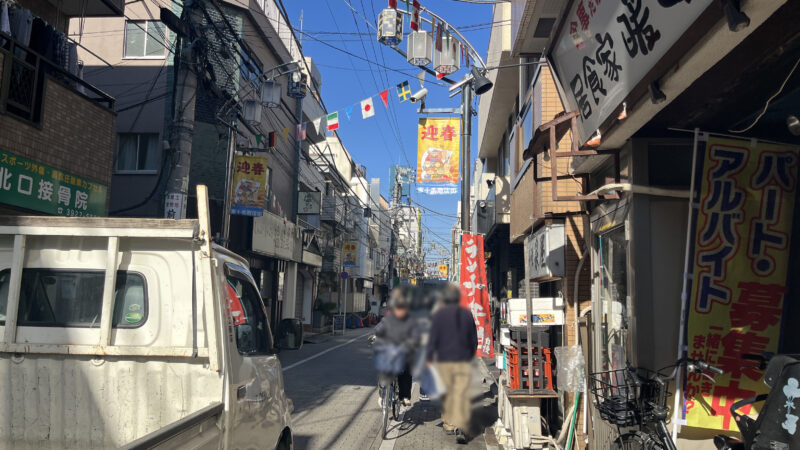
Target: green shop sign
<point>34,186</point>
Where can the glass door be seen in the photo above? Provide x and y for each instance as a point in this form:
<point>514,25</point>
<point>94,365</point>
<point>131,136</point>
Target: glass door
<point>612,290</point>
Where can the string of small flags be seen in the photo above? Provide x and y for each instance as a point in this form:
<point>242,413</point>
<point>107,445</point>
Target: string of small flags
<point>331,121</point>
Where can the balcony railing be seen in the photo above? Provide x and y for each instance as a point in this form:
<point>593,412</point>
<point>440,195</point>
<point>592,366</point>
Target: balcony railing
<point>22,79</point>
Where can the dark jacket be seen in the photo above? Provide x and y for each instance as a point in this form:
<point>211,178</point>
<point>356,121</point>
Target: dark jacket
<point>392,330</point>
<point>453,336</point>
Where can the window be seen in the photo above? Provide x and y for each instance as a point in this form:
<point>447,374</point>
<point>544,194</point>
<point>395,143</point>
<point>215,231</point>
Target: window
<point>137,152</point>
<point>145,39</point>
<point>253,336</point>
<point>74,298</point>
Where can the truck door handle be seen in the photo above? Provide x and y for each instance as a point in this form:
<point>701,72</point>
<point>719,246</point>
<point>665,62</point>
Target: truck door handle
<point>241,392</point>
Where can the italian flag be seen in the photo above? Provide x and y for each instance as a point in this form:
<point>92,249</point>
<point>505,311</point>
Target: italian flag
<point>333,121</point>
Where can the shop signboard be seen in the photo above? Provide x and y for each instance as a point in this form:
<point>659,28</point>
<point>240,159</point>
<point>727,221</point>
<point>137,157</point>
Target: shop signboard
<point>604,49</point>
<point>38,187</point>
<point>442,271</point>
<point>249,185</point>
<point>350,253</point>
<point>474,291</point>
<point>438,155</point>
<point>740,268</point>
<point>545,250</point>
<point>275,236</point>
<point>310,202</point>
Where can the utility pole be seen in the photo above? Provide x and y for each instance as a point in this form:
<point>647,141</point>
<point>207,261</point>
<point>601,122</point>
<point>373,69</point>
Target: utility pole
<point>466,156</point>
<point>298,149</point>
<point>182,128</point>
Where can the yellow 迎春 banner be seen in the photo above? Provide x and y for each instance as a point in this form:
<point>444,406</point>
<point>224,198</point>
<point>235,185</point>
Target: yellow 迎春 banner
<point>438,150</point>
<point>349,253</point>
<point>249,185</point>
<point>442,271</point>
<point>740,254</point>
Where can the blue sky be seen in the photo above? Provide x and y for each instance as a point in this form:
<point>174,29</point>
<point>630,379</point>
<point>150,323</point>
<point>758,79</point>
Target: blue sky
<point>390,137</point>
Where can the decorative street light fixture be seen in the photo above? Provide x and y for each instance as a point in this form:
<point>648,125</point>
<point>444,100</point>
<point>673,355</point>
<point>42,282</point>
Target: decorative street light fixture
<point>420,46</point>
<point>390,27</point>
<point>271,94</point>
<point>446,60</point>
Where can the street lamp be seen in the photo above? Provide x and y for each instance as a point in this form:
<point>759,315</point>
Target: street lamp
<point>446,60</point>
<point>271,94</point>
<point>420,45</point>
<point>390,27</point>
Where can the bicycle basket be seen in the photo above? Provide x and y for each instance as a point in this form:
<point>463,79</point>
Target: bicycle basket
<point>624,398</point>
<point>390,359</point>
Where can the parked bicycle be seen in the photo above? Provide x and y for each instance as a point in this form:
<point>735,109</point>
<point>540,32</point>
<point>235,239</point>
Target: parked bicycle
<point>637,397</point>
<point>776,426</point>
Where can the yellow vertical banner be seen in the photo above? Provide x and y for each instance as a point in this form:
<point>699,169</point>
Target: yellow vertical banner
<point>443,271</point>
<point>349,253</point>
<point>740,255</point>
<point>438,142</point>
<point>249,185</point>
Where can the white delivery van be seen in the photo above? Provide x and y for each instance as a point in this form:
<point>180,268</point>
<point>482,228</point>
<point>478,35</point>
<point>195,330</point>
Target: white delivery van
<point>133,333</point>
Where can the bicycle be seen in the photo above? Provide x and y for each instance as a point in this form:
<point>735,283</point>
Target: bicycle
<point>390,401</point>
<point>776,425</point>
<point>637,397</point>
<point>389,362</point>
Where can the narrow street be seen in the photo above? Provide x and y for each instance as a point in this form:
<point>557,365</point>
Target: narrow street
<point>333,387</point>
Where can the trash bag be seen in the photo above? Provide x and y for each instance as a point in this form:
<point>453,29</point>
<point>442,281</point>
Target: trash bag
<point>571,373</point>
<point>431,383</point>
<point>390,359</point>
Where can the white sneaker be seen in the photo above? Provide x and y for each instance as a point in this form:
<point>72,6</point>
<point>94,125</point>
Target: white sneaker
<point>406,402</point>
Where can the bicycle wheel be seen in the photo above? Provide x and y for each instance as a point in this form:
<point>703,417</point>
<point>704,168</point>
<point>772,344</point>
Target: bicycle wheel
<point>385,409</point>
<point>395,401</point>
<point>635,440</point>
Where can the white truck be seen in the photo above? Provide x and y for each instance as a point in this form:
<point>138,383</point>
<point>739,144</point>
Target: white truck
<point>133,333</point>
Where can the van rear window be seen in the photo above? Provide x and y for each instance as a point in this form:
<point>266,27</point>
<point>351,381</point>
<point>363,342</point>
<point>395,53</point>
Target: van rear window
<point>74,298</point>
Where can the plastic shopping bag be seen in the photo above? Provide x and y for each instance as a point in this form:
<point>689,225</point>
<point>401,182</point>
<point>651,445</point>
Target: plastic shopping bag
<point>431,383</point>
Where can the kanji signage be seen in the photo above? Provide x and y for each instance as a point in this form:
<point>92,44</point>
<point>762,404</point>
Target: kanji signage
<point>443,271</point>
<point>606,47</point>
<point>38,187</point>
<point>438,154</point>
<point>740,256</point>
<point>249,185</point>
<point>350,253</point>
<point>474,291</point>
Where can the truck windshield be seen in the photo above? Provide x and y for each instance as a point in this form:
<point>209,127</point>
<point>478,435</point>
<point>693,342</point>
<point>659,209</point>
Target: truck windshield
<point>74,298</point>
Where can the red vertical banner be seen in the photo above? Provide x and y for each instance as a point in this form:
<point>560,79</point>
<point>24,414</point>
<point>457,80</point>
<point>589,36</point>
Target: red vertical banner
<point>474,291</point>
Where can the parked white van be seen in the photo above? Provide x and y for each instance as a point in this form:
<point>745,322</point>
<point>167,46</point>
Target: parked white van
<point>133,333</point>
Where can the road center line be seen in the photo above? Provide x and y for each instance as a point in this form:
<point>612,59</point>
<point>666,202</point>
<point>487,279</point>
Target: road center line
<point>303,361</point>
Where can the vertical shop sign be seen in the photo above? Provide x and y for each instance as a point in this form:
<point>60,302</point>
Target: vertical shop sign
<point>249,185</point>
<point>474,293</point>
<point>442,271</point>
<point>349,253</point>
<point>437,155</point>
<point>740,256</point>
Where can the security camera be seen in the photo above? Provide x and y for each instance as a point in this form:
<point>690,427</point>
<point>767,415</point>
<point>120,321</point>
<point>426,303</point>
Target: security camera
<point>419,95</point>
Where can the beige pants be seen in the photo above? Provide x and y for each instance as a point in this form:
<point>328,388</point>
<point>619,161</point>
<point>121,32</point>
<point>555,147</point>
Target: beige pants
<point>456,406</point>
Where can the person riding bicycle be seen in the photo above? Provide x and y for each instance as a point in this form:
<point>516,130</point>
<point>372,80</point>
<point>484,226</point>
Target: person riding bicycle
<point>400,330</point>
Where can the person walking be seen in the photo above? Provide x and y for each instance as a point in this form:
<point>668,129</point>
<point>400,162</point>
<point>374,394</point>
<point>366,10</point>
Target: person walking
<point>452,342</point>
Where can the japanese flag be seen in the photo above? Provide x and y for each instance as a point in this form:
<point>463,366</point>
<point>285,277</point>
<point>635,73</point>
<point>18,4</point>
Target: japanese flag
<point>367,108</point>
